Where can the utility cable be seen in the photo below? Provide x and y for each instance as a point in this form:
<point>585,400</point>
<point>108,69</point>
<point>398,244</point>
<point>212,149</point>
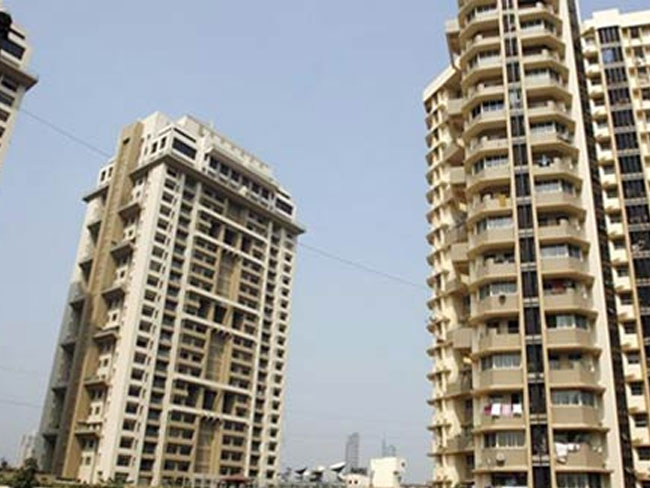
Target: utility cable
<point>326,254</point>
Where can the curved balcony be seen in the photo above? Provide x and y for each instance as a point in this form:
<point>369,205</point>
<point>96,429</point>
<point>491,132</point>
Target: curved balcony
<point>593,70</point>
<point>551,111</point>
<point>476,44</point>
<point>455,235</point>
<point>566,267</point>
<point>486,207</point>
<point>547,86</point>
<point>576,416</point>
<point>492,176</point>
<point>482,272</point>
<point>493,342</point>
<point>494,306</point>
<point>609,180</point>
<point>585,459</point>
<point>612,205</point>
<point>454,107</point>
<point>559,200</point>
<point>596,90</point>
<point>553,141</point>
<point>501,422</point>
<point>486,68</point>
<point>570,301</point>
<point>541,35</point>
<point>458,444</point>
<point>564,232</point>
<point>458,254</point>
<point>485,147</point>
<point>636,404</point>
<point>560,168</point>
<point>633,373</point>
<point>502,459</point>
<point>453,152</point>
<point>479,93</point>
<point>484,121</point>
<point>538,10</point>
<point>546,59</point>
<point>460,387</point>
<point>569,338</point>
<point>599,112</point>
<point>576,377</point>
<point>602,133</point>
<point>490,238</point>
<point>480,21</point>
<point>501,379</point>
<point>457,176</point>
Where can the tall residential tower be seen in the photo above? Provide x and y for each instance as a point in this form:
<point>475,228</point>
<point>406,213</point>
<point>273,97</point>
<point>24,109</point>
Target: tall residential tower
<point>171,359</point>
<point>15,79</point>
<point>538,361</point>
<point>617,63</point>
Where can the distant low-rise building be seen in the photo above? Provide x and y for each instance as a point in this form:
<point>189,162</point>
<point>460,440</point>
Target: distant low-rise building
<point>27,448</point>
<point>387,472</point>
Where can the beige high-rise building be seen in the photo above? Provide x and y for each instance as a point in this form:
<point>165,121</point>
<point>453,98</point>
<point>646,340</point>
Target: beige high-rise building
<point>617,64</point>
<point>171,360</point>
<point>540,248</point>
<point>15,79</point>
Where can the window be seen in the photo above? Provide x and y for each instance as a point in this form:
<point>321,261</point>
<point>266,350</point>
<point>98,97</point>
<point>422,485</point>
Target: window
<point>490,162</point>
<point>644,453</point>
<point>632,358</point>
<point>12,48</point>
<point>505,439</point>
<point>573,397</point>
<point>494,223</point>
<point>619,96</point>
<point>554,186</point>
<point>561,251</point>
<point>640,420</point>
<point>612,55</point>
<point>566,321</point>
<point>626,140</point>
<point>184,148</point>
<point>501,361</point>
<point>623,118</point>
<point>622,271</point>
<point>630,164</point>
<point>578,480</point>
<point>636,389</point>
<point>498,288</point>
<point>615,75</point>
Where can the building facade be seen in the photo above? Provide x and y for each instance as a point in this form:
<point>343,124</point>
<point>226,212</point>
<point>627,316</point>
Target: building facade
<point>27,448</point>
<point>539,373</point>
<point>15,79</point>
<point>352,451</point>
<point>617,64</point>
<point>171,359</point>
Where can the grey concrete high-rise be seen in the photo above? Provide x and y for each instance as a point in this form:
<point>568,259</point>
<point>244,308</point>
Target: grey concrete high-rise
<point>352,451</point>
<point>170,364</point>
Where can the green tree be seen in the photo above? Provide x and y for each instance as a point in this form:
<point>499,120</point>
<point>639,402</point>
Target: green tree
<point>25,477</point>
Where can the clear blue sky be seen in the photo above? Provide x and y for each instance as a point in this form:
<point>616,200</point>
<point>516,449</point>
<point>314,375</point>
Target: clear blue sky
<point>328,92</point>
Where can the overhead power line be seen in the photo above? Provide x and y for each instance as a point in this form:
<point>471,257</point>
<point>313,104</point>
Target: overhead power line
<point>362,267</point>
<point>326,254</point>
<point>18,403</point>
<point>65,133</point>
